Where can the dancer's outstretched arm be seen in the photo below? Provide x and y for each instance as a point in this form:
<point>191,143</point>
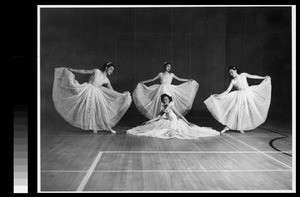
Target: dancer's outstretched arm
<point>226,91</point>
<point>150,80</point>
<point>81,71</point>
<point>154,119</point>
<point>181,79</point>
<point>109,85</point>
<point>256,76</point>
<point>181,116</point>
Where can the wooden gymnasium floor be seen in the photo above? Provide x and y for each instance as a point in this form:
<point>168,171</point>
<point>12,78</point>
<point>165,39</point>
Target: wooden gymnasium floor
<point>72,160</point>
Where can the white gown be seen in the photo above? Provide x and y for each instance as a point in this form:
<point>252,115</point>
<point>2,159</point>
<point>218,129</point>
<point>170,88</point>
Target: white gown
<point>147,99</point>
<point>243,109</point>
<point>172,127</point>
<point>89,106</point>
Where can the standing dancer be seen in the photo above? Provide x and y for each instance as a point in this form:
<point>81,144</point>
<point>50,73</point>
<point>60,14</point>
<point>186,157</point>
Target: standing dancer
<point>171,124</point>
<point>245,108</point>
<point>147,99</point>
<point>89,106</point>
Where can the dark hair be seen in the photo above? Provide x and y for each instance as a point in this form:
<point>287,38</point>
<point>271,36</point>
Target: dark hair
<point>165,65</point>
<point>165,95</point>
<point>233,68</point>
<point>107,65</point>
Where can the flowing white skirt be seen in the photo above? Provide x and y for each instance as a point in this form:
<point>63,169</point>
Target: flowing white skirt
<point>147,99</point>
<point>86,106</point>
<point>242,109</point>
<point>167,129</point>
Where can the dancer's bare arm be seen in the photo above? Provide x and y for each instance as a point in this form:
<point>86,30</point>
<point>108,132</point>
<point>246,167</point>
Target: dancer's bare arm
<point>109,85</point>
<point>81,71</point>
<point>181,79</point>
<point>181,116</point>
<point>226,91</point>
<point>153,119</point>
<point>150,80</point>
<point>255,76</point>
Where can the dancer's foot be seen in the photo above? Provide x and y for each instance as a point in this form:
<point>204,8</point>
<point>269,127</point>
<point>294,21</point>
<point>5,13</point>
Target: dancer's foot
<point>242,131</point>
<point>111,130</point>
<point>225,129</point>
<point>95,131</point>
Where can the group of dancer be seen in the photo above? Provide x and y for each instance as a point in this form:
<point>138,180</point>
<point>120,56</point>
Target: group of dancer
<point>96,106</point>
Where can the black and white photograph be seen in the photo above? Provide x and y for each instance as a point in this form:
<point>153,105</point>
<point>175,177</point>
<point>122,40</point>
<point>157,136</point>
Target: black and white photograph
<point>166,98</point>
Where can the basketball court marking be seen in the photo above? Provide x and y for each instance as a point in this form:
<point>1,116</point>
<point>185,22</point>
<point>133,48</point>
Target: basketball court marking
<point>259,151</point>
<point>89,173</point>
<point>265,170</point>
<point>142,171</point>
<point>191,152</point>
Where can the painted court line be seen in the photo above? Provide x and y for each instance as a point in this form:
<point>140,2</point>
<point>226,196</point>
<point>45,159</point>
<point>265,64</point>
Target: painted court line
<point>192,171</point>
<point>260,151</point>
<point>191,152</point>
<point>265,170</point>
<point>89,173</point>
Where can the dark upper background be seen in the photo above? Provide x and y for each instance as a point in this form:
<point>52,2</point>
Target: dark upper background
<point>199,42</point>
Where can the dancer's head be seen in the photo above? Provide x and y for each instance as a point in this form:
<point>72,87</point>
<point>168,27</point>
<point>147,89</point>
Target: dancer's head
<point>233,71</point>
<point>165,99</point>
<point>108,67</point>
<point>167,66</point>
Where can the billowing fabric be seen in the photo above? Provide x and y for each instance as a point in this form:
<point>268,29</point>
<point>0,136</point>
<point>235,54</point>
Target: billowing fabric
<point>89,106</point>
<point>243,109</point>
<point>147,99</point>
<point>172,127</point>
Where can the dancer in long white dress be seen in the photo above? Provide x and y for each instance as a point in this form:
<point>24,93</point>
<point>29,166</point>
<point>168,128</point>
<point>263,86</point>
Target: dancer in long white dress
<point>171,124</point>
<point>90,105</point>
<point>245,108</point>
<point>147,99</point>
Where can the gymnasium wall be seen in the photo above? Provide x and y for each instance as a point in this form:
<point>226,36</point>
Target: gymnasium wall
<point>199,42</point>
